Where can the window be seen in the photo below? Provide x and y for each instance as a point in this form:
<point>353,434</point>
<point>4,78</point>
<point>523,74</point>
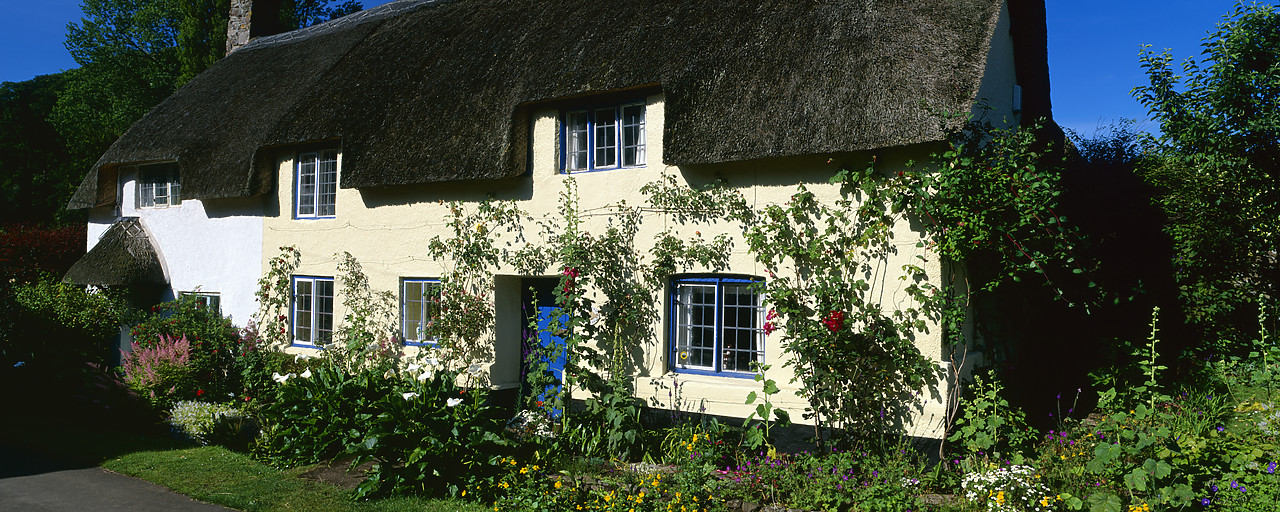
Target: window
<point>717,324</point>
<point>158,186</point>
<point>210,301</point>
<point>419,305</point>
<point>607,137</point>
<point>312,311</point>
<point>316,186</point>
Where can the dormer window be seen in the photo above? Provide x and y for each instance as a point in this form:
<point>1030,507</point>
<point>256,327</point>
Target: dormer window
<point>316,184</point>
<point>158,185</point>
<point>602,137</point>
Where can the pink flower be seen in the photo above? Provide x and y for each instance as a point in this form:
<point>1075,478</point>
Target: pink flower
<point>769,328</point>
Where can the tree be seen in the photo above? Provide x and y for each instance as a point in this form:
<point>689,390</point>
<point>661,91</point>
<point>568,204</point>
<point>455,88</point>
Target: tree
<point>202,35</point>
<point>36,175</point>
<point>296,14</point>
<point>127,51</point>
<point>1215,165</point>
<point>135,53</point>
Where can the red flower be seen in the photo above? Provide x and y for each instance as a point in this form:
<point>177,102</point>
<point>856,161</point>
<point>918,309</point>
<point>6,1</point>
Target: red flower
<point>199,392</point>
<point>834,320</point>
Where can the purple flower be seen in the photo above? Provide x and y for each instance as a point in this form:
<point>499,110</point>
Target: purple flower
<point>1205,502</point>
<point>1221,428</point>
<point>1271,469</point>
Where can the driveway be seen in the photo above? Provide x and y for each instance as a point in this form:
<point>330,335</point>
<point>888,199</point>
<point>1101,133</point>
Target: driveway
<point>32,482</point>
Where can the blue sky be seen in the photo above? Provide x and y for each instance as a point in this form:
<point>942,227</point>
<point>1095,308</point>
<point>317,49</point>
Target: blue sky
<point>1093,48</point>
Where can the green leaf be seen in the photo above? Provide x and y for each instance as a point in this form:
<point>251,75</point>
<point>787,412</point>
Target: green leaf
<point>770,387</point>
<point>751,397</point>
<point>1104,502</point>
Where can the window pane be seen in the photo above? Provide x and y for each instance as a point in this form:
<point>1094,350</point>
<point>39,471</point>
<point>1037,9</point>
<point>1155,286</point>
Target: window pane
<point>742,336</point>
<point>633,135</point>
<point>695,344</point>
<point>327,183</point>
<point>324,311</point>
<point>412,299</point>
<point>307,184</point>
<point>717,325</point>
<point>302,310</point>
<point>146,193</point>
<point>606,141</point>
<point>576,141</point>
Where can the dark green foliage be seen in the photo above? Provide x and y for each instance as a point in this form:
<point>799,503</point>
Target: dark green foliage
<point>62,323</point>
<point>127,51</point>
<point>202,35</point>
<point>37,174</point>
<point>1215,166</point>
<point>295,14</point>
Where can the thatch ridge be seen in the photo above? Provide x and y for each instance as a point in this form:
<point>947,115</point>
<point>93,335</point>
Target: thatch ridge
<point>422,91</point>
<point>123,256</point>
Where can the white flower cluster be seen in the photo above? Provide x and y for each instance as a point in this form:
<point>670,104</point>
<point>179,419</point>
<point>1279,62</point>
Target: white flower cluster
<point>531,422</point>
<point>1008,489</point>
<point>1269,424</point>
<point>197,420</point>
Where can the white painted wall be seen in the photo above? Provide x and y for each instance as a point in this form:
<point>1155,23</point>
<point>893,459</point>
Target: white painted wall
<point>212,246</point>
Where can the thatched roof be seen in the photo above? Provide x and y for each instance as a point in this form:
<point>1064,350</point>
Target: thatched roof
<point>422,91</point>
<point>124,256</point>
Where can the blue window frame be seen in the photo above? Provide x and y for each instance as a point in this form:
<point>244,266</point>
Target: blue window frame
<point>316,185</point>
<point>419,307</point>
<point>311,315</point>
<point>716,325</point>
<point>602,137</point>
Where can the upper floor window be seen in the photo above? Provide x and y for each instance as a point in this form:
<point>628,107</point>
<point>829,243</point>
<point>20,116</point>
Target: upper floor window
<point>717,324</point>
<point>158,185</point>
<point>419,307</point>
<point>316,184</point>
<point>605,137</point>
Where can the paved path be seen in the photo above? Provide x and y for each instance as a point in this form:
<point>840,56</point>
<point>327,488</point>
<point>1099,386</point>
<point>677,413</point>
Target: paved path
<point>31,482</point>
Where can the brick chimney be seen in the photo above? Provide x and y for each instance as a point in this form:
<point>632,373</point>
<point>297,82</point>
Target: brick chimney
<point>251,19</point>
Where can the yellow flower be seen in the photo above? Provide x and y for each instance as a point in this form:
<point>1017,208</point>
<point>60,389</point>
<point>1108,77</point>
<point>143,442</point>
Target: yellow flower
<point>524,470</point>
<point>557,484</point>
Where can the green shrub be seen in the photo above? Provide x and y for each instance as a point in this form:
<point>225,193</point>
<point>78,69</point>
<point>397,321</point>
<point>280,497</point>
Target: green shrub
<point>431,436</point>
<point>58,324</point>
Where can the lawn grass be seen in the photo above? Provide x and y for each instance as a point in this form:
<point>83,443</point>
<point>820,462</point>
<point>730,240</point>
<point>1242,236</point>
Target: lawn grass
<point>216,475</point>
<point>211,474</point>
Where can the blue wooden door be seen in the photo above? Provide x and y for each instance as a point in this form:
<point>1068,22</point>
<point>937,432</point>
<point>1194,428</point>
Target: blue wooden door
<point>539,300</point>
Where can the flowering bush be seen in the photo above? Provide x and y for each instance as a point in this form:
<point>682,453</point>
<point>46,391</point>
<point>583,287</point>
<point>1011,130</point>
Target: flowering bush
<point>160,372</point>
<point>215,344</point>
<point>205,422</point>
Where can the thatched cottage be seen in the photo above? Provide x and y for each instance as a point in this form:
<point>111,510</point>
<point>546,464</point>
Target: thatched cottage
<point>346,136</point>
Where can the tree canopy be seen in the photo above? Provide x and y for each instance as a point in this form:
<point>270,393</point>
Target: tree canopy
<point>1215,165</point>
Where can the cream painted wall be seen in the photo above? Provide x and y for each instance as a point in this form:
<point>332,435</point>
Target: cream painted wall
<point>387,230</point>
<point>213,246</point>
<point>1000,77</point>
